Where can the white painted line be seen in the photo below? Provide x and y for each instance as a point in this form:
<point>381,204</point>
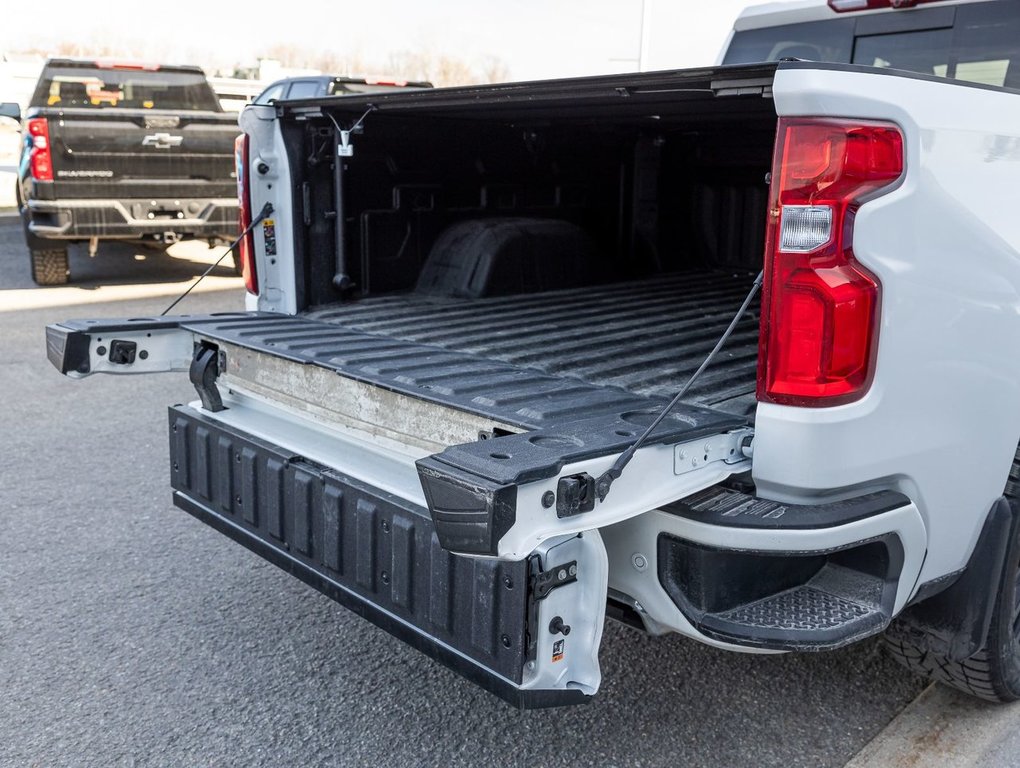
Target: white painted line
<point>70,295</point>
<point>944,728</point>
<point>8,179</point>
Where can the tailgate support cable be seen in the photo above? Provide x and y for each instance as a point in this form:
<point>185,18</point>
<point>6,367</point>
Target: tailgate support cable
<point>341,278</point>
<point>267,210</point>
<point>605,481</point>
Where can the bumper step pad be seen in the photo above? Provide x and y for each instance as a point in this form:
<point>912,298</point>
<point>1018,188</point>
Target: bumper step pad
<point>372,552</point>
<point>836,607</point>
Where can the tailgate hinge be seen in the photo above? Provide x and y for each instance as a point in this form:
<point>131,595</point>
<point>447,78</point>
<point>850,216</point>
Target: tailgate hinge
<point>544,582</point>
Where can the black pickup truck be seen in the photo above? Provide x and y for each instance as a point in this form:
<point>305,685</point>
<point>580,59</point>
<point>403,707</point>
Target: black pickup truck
<point>123,151</point>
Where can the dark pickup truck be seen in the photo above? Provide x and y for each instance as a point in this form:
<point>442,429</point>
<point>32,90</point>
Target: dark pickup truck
<point>123,151</point>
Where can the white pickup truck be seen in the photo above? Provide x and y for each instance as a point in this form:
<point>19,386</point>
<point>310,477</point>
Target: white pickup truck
<point>450,406</point>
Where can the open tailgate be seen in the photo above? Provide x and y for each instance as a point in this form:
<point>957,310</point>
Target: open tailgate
<point>483,553</point>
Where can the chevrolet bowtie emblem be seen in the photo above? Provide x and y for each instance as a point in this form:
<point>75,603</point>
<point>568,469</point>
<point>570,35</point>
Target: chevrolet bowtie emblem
<point>162,140</point>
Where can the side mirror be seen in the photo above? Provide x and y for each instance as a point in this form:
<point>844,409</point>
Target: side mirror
<point>11,110</point>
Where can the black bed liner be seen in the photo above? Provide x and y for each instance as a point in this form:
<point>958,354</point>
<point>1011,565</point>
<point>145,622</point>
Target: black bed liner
<point>645,337</point>
<point>535,360</point>
<point>520,397</point>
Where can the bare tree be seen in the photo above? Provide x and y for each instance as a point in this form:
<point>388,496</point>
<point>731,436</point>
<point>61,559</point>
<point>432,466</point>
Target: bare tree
<point>443,69</point>
<point>495,70</point>
<point>421,64</point>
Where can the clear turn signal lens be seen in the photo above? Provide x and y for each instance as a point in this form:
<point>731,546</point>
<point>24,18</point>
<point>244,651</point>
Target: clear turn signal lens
<point>805,227</point>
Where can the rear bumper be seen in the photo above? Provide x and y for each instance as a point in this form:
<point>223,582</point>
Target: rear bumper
<point>369,550</point>
<point>133,218</point>
<point>745,573</point>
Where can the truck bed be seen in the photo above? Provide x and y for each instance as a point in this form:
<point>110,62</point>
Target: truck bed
<point>645,337</point>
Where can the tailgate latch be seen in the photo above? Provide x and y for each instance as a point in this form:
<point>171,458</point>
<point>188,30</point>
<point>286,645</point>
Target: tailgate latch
<point>205,367</point>
<point>575,495</point>
<point>122,352</point>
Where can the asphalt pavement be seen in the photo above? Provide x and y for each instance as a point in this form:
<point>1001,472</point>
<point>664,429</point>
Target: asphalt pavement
<point>131,634</point>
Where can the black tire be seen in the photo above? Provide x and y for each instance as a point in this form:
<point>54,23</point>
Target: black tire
<point>48,257</point>
<point>235,263</point>
<point>992,674</point>
<point>49,267</point>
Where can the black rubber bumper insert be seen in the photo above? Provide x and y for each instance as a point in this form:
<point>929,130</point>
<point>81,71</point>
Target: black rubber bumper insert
<point>789,601</point>
<point>370,551</point>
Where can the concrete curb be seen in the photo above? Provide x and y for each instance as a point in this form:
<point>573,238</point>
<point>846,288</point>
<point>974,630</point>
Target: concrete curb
<point>944,728</point>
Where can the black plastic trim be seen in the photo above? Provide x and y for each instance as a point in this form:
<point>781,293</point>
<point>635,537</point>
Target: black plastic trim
<point>727,580</point>
<point>521,699</point>
<point>471,514</point>
<point>542,453</point>
<point>471,489</point>
<point>77,218</point>
<point>68,349</point>
<point>371,551</point>
<point>955,621</point>
<point>732,509</point>
<point>614,88</point>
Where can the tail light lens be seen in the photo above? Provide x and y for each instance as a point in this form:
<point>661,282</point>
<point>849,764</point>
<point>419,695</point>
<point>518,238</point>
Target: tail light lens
<point>246,248</point>
<point>843,6</point>
<point>40,157</point>
<point>135,65</point>
<point>820,305</point>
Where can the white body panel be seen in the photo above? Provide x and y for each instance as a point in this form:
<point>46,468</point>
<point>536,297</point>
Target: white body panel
<point>942,418</point>
<point>275,274</point>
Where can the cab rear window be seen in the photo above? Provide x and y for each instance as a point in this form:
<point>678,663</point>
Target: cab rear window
<point>978,42</point>
<point>829,41</point>
<point>105,88</point>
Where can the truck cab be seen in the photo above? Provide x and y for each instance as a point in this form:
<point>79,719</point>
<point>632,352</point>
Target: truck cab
<point>309,86</point>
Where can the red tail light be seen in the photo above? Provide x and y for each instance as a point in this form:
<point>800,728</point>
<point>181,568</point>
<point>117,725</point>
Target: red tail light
<point>40,159</point>
<point>842,6</point>
<point>136,65</point>
<point>246,248</point>
<point>820,306</point>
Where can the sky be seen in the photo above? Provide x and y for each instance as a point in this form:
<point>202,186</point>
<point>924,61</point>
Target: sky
<point>533,38</point>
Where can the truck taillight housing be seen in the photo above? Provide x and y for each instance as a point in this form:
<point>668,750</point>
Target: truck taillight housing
<point>40,159</point>
<point>819,322</point>
<point>245,248</point>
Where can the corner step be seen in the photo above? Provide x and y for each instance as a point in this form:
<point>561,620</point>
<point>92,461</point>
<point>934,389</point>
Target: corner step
<point>837,606</point>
